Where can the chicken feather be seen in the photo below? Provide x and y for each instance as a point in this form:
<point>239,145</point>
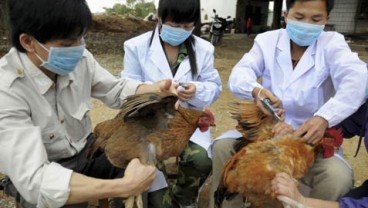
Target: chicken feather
<point>253,124</point>
<point>250,171</point>
<point>126,136</point>
<point>147,127</point>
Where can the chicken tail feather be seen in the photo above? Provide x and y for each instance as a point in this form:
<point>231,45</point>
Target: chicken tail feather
<point>219,195</point>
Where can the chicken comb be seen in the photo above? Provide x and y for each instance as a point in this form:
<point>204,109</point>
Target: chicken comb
<point>210,115</point>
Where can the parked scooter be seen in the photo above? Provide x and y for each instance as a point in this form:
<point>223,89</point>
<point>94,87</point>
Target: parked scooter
<point>218,27</point>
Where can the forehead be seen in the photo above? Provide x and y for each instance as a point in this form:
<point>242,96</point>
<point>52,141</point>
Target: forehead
<point>313,7</point>
<point>64,42</point>
<point>184,23</point>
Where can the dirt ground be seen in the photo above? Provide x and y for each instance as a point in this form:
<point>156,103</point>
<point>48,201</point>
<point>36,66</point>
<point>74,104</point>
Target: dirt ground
<point>107,45</point>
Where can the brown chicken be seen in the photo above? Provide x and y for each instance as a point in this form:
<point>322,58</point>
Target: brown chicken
<point>148,127</point>
<point>250,171</point>
<point>126,136</point>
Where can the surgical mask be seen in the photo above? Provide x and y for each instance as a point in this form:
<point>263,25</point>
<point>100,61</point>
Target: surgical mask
<point>174,35</point>
<point>303,34</point>
<point>62,60</point>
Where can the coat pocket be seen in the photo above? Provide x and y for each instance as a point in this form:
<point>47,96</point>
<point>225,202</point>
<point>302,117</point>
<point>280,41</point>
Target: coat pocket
<point>55,142</point>
<point>80,122</point>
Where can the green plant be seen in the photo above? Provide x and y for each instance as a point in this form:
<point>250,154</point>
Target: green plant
<point>134,8</point>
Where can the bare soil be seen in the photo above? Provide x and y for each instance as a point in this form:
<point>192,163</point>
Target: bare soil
<point>106,40</point>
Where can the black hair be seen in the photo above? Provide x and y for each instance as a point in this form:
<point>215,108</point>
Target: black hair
<point>329,4</point>
<point>48,20</point>
<point>181,11</point>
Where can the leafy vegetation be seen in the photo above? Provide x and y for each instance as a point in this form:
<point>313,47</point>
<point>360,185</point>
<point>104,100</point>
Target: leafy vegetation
<point>136,8</point>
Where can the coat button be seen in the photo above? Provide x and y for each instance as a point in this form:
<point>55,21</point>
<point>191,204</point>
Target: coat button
<point>52,136</point>
<point>62,120</point>
<point>19,72</point>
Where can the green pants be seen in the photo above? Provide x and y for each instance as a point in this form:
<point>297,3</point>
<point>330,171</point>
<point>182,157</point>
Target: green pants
<point>194,167</point>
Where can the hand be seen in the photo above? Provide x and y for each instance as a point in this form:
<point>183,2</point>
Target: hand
<point>139,176</point>
<point>164,85</point>
<point>186,91</point>
<point>282,128</point>
<point>265,93</point>
<point>312,130</point>
<point>285,185</point>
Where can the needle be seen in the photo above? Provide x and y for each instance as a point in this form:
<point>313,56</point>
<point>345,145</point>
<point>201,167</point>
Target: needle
<point>183,84</point>
<point>268,105</point>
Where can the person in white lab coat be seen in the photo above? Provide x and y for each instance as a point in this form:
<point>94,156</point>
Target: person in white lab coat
<point>314,77</point>
<point>171,51</point>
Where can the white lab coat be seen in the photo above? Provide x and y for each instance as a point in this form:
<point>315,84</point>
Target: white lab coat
<point>327,66</point>
<point>149,64</point>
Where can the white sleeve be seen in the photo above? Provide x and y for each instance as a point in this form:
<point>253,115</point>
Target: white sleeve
<point>132,68</point>
<point>244,76</point>
<point>349,77</point>
<point>208,84</point>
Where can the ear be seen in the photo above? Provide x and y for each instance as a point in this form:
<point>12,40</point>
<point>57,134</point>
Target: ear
<point>158,18</point>
<point>27,42</point>
<point>160,23</point>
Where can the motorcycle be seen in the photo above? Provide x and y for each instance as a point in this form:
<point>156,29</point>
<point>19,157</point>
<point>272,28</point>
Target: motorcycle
<point>218,27</point>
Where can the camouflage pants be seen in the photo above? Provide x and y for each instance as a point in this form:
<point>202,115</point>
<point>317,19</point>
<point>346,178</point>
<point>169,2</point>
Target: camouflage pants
<point>194,167</point>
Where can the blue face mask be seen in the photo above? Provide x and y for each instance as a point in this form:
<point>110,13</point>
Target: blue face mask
<point>174,35</point>
<point>303,34</point>
<point>63,60</point>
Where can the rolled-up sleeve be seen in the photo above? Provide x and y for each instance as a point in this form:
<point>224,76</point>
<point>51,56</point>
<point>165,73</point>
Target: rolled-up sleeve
<point>55,189</point>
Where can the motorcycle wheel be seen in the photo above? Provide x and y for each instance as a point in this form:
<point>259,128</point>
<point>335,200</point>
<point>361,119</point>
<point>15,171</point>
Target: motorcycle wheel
<point>214,39</point>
